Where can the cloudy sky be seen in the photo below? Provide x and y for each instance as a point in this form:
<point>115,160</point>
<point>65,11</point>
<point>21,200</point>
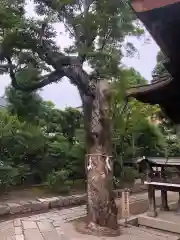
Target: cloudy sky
<point>64,94</point>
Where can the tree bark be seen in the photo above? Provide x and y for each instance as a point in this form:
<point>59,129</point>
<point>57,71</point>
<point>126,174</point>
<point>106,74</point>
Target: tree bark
<point>99,166</point>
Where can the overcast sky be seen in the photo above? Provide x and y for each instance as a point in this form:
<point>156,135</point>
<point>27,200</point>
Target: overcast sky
<point>64,94</point>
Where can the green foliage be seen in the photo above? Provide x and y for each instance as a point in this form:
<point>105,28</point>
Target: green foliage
<point>8,175</point>
<point>75,163</point>
<point>134,132</point>
<point>27,106</point>
<point>98,30</point>
<point>79,184</point>
<point>21,143</point>
<point>32,152</point>
<point>129,174</point>
<point>58,181</point>
<point>38,150</point>
<point>160,72</point>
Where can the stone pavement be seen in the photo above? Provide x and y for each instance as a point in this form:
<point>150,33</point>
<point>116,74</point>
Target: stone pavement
<point>56,225</point>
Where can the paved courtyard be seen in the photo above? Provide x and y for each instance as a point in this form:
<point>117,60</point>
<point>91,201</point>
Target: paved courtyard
<point>56,225</point>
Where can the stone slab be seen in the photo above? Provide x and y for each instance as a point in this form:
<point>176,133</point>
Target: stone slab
<point>29,225</point>
<point>33,234</point>
<point>17,222</point>
<point>159,223</point>
<point>52,235</point>
<point>48,199</point>
<point>18,230</point>
<point>20,237</point>
<point>34,206</point>
<point>4,209</point>
<point>14,208</point>
<point>7,231</point>
<point>45,226</point>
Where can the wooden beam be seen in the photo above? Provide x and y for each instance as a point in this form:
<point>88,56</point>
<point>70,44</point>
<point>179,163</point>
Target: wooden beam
<point>164,199</point>
<point>162,184</point>
<point>146,5</point>
<point>152,212</point>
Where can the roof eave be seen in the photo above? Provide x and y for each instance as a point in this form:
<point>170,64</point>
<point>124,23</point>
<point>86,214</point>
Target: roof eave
<point>143,89</point>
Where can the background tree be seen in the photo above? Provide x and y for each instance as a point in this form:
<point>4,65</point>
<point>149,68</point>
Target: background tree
<point>160,72</point>
<point>98,29</point>
<point>134,132</point>
<point>27,106</point>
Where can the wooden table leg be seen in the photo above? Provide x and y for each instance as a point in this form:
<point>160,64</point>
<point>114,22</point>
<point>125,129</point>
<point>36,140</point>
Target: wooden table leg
<point>152,202</point>
<point>178,208</point>
<point>164,201</point>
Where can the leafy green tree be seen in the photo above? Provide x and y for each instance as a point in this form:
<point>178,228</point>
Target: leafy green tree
<point>160,72</point>
<point>22,145</point>
<point>134,133</point>
<point>27,106</point>
<point>56,121</point>
<point>71,121</point>
<point>98,29</point>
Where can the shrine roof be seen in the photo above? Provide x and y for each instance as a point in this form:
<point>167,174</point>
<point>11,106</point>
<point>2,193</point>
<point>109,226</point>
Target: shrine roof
<point>160,161</point>
<point>162,20</point>
<point>149,93</point>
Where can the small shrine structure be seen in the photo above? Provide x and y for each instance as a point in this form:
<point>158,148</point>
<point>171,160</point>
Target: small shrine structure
<point>161,174</point>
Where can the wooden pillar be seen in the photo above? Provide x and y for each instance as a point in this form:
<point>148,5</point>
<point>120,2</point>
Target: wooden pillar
<point>152,202</point>
<point>178,207</point>
<point>164,201</point>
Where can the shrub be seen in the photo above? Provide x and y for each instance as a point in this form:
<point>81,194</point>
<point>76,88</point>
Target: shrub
<point>79,184</point>
<point>116,182</point>
<point>22,145</point>
<point>58,181</point>
<point>8,175</point>
<point>22,171</point>
<point>130,174</point>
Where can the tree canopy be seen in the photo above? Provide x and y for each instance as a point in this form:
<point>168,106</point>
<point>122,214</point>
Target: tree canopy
<point>97,29</point>
<point>160,72</point>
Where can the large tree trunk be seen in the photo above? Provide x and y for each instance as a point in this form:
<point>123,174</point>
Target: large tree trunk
<point>99,166</point>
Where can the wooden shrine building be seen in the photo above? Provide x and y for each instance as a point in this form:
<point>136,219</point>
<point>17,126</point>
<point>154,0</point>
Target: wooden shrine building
<point>162,19</point>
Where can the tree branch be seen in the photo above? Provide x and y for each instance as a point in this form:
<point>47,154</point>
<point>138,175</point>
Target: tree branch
<point>45,50</point>
<point>75,73</point>
<point>47,79</point>
<point>62,12</point>
<point>79,33</point>
<point>4,68</point>
<point>106,36</point>
<point>80,79</point>
<point>87,4</point>
<point>55,59</point>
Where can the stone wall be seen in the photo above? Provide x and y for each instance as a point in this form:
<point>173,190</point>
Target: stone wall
<point>43,204</point>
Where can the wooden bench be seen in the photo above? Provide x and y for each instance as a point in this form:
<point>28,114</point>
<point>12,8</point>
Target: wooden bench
<point>159,176</point>
<point>164,188</point>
